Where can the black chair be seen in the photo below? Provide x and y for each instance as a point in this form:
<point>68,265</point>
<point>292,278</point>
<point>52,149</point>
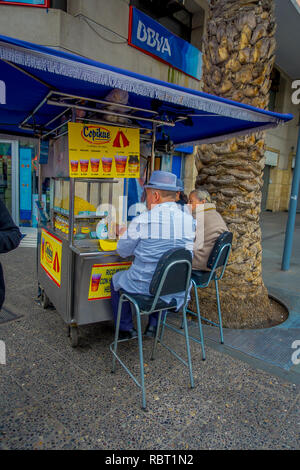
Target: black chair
<point>172,275</point>
<point>216,263</point>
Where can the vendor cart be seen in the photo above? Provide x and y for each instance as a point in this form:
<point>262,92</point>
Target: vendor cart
<point>49,93</point>
<point>76,252</point>
<point>74,272</point>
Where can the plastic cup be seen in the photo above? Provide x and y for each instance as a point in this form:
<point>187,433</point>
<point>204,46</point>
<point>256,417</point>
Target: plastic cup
<point>106,164</point>
<point>95,165</point>
<point>74,166</point>
<point>84,166</point>
<point>120,163</point>
<point>95,282</point>
<point>133,164</point>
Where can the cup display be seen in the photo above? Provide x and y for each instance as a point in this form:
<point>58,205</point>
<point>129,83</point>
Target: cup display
<point>74,166</point>
<point>95,165</point>
<point>95,282</point>
<point>84,166</point>
<point>133,164</point>
<point>106,164</point>
<point>120,163</point>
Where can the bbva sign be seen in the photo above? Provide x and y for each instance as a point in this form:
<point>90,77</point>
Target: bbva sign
<point>153,38</point>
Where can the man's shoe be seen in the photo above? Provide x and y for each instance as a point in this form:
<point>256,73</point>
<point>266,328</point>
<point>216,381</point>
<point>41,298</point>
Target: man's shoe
<point>127,334</point>
<point>150,331</point>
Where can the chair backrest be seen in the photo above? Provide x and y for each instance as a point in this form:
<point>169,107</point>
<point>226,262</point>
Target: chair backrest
<point>220,252</point>
<point>172,273</point>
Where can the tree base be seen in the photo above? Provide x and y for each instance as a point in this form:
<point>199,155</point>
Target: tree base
<point>253,313</point>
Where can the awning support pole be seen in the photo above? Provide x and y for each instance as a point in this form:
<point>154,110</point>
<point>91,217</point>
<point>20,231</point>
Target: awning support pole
<point>290,226</point>
<point>153,149</point>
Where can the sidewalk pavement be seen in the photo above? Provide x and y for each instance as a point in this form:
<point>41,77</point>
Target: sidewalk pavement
<point>56,397</point>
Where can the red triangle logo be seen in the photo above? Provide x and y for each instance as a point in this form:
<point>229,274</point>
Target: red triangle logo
<point>56,266</point>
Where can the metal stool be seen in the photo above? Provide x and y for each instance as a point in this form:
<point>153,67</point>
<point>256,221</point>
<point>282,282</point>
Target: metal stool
<point>200,279</point>
<point>172,275</point>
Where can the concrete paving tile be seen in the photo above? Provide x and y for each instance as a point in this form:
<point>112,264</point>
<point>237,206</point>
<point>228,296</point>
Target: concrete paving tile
<point>171,403</point>
<point>12,395</point>
<point>81,407</point>
<point>288,433</point>
<point>213,436</point>
<point>46,375</point>
<point>32,428</point>
<point>129,429</point>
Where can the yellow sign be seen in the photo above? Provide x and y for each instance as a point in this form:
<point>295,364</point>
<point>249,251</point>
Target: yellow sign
<point>50,256</point>
<point>100,151</point>
<point>101,279</point>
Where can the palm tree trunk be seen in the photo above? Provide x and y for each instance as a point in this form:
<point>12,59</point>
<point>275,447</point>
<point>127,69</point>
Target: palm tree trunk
<point>237,63</point>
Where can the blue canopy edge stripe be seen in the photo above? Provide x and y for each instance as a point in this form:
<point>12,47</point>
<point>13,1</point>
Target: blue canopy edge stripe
<point>222,138</point>
<point>95,74</point>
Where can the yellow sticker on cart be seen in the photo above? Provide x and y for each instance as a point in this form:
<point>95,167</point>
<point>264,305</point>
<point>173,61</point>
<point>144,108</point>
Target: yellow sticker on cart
<point>100,151</point>
<point>101,278</point>
<point>50,256</point>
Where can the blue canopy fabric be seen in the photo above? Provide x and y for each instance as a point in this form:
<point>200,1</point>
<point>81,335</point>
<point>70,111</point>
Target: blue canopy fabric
<point>30,71</point>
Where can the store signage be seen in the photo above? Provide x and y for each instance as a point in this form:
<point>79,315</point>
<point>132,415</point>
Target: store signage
<point>50,256</point>
<point>101,278</point>
<point>154,39</point>
<point>25,183</point>
<point>2,92</point>
<point>97,151</point>
<point>27,3</point>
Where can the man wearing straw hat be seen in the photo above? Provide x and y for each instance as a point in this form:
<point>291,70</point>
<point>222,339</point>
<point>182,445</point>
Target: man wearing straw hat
<point>162,227</point>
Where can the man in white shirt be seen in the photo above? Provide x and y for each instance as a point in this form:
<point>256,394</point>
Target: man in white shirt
<point>164,226</point>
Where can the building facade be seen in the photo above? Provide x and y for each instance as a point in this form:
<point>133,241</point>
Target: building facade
<point>100,30</point>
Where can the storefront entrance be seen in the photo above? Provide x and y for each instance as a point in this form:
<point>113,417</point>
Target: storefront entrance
<point>9,176</point>
<point>18,182</point>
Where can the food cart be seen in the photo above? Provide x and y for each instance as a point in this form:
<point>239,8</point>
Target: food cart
<point>89,162</point>
<point>86,116</point>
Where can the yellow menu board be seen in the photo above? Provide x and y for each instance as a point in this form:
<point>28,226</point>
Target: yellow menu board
<point>101,278</point>
<point>97,151</point>
<point>50,256</point>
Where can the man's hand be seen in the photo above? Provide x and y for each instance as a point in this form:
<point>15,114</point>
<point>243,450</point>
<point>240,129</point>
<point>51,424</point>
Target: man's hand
<point>120,229</point>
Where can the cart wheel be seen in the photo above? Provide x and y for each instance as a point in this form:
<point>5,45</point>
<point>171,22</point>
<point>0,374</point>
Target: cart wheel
<point>74,337</point>
<point>45,301</point>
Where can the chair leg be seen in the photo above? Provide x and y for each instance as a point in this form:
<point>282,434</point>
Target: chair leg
<point>187,342</point>
<point>140,342</point>
<point>163,327</point>
<point>219,312</point>
<point>117,334</point>
<point>199,321</point>
<point>156,335</point>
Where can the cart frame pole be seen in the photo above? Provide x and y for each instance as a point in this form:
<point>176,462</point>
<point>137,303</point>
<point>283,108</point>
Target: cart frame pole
<point>153,149</point>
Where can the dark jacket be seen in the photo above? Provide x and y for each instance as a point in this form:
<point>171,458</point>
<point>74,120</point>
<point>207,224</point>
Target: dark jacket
<point>10,237</point>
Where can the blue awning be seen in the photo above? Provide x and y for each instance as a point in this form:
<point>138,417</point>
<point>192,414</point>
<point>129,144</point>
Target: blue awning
<point>30,71</point>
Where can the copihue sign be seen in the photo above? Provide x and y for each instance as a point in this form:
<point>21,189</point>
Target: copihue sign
<point>100,151</point>
<point>50,256</point>
<point>27,3</point>
<point>154,39</point>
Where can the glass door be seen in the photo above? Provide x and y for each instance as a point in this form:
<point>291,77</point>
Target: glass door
<point>9,177</point>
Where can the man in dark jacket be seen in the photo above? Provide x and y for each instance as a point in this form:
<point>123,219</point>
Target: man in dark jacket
<point>10,237</point>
